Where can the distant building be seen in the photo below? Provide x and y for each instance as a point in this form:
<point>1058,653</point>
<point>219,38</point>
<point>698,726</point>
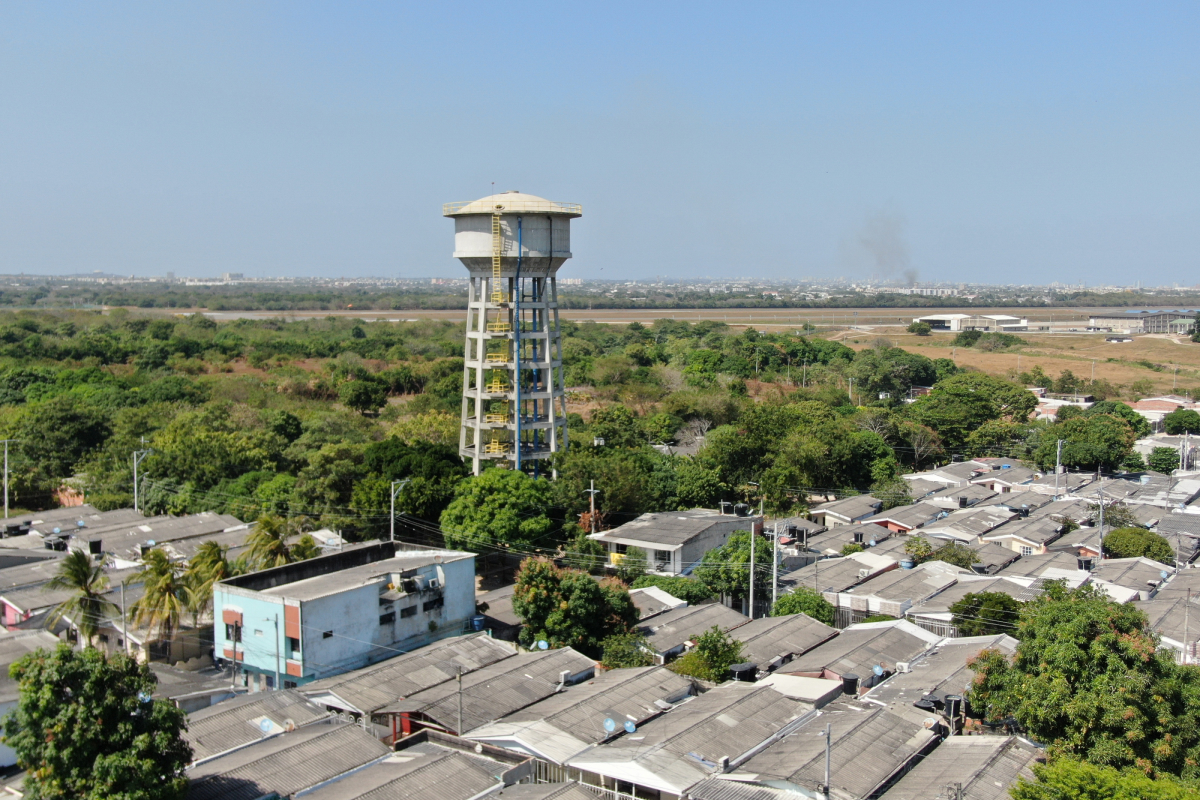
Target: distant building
<point>331,614</point>
<point>988,323</point>
<point>1146,321</point>
<point>674,541</point>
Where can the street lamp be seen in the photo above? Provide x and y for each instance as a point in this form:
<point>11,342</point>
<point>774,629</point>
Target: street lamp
<point>397,487</point>
<point>138,457</point>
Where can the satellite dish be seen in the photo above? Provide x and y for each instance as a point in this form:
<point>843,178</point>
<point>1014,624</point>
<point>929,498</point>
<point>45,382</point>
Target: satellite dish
<point>872,543</point>
<point>144,697</point>
<point>878,669</point>
<point>609,724</point>
<point>150,542</point>
<point>629,726</point>
<point>58,530</point>
<point>543,644</point>
<point>1162,573</point>
<point>265,725</point>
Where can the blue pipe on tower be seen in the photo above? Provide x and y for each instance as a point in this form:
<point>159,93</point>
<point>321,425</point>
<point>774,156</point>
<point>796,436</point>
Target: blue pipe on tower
<point>517,347</point>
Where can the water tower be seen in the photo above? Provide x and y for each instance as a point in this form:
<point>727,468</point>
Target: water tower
<point>513,408</point>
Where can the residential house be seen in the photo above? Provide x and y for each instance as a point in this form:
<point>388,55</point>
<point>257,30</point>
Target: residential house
<point>1027,537</point>
<point>365,692</point>
<point>233,724</point>
<point>1141,575</point>
<point>968,525</point>
<point>992,557</point>
<point>193,689</point>
<point>499,619</point>
<point>846,511</point>
<point>933,614</point>
<point>894,592</point>
<point>674,541</point>
<point>868,653</point>
<point>830,542</point>
<point>1006,479</point>
<point>771,642</point>
<point>1023,502</point>
<point>905,519</point>
<point>868,749</point>
<point>1051,566</point>
<point>672,633</point>
<point>330,614</point>
<point>976,766</point>
<point>652,601</point>
<point>832,575</point>
<point>952,498</point>
<point>694,740</point>
<point>593,712</point>
<point>489,693</point>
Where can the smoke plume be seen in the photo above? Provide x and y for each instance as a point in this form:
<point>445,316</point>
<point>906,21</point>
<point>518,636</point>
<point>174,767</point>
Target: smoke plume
<point>881,240</point>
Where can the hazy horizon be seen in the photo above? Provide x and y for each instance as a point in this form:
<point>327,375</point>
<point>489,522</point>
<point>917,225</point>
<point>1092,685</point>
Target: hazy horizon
<point>1003,144</point>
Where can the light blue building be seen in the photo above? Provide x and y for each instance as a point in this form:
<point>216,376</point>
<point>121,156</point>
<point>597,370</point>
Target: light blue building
<point>293,624</point>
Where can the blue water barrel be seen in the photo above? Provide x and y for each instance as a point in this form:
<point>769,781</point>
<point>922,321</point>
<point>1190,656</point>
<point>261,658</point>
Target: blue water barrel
<point>477,622</point>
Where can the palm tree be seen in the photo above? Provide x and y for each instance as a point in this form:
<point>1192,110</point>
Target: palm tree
<point>163,599</point>
<point>88,606</point>
<point>209,566</point>
<point>268,546</point>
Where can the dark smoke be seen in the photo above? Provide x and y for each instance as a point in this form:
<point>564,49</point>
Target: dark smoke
<point>882,236</point>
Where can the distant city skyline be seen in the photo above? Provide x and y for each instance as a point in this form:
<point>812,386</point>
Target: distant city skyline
<point>1004,144</point>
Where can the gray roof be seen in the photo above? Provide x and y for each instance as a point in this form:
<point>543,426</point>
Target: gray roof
<point>941,602</point>
<point>974,493</point>
<point>30,573</point>
<point>910,516</point>
<point>672,628</point>
<point>1037,531</point>
<point>545,791</point>
<point>651,601</point>
<point>1034,566</point>
<point>912,585</point>
<point>175,683</point>
<point>985,766</point>
<point>341,580</point>
<point>1067,482</point>
<point>1179,523</point>
<point>1075,509</point>
<point>827,575</point>
<point>831,541</point>
<point>869,747</point>
<point>862,505</point>
<point>859,648</point>
<point>39,596</point>
<point>670,529</point>
<point>417,772</point>
<point>1132,573</point>
<point>285,764</point>
<point>718,789</point>
<point>1011,476</point>
<point>235,722</point>
<point>684,746</point>
<point>768,638</point>
<point>499,607</point>
<point>972,521</point>
<point>1171,615</point>
<point>919,487</point>
<point>371,688</point>
<point>1018,500</point>
<point>70,517</point>
<point>628,693</point>
<point>992,556</point>
<point>496,690</point>
<point>939,672</point>
<point>15,645</point>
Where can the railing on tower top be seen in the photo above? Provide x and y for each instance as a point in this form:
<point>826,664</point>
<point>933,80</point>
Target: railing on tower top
<point>512,207</point>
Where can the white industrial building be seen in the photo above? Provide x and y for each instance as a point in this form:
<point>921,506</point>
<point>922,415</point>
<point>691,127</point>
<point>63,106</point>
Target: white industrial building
<point>974,322</point>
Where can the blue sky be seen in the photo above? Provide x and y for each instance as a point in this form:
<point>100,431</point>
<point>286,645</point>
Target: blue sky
<point>1004,142</point>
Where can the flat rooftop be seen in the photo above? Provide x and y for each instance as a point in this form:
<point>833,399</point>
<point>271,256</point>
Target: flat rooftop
<point>669,530</point>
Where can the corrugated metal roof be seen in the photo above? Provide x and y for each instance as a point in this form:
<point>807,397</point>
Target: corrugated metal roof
<point>227,725</point>
<point>496,690</point>
<point>407,775</point>
<point>672,628</point>
<point>369,689</point>
<point>869,747</point>
<point>985,766</point>
<point>15,645</point>
<point>718,789</point>
<point>546,791</point>
<point>285,764</point>
<point>769,637</point>
<point>859,648</point>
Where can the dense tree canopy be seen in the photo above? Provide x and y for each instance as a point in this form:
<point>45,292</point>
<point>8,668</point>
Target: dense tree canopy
<point>803,600</point>
<point>498,508</point>
<point>1138,542</point>
<point>568,608</point>
<point>985,613</point>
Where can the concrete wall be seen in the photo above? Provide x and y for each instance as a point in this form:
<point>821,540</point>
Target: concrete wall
<point>716,535</point>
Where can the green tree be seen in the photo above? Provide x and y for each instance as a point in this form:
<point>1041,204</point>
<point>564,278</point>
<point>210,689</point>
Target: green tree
<point>567,608</point>
<point>1163,459</point>
<point>1138,542</point>
<point>918,549</point>
<point>364,395</point>
<point>88,606</point>
<point>1089,680</point>
<point>689,590</point>
<point>499,507</point>
<point>632,566</point>
<point>715,651</point>
<point>267,545</point>
<point>803,600</point>
<point>985,614</point>
<point>85,728</point>
<point>1070,779</point>
<point>164,595</point>
<point>1181,421</point>
<point>726,569</point>
<point>1140,425</point>
<point>957,554</point>
<point>960,404</point>
<point>622,650</point>
<point>920,328</point>
<point>850,548</point>
<point>1092,442</point>
<point>586,554</point>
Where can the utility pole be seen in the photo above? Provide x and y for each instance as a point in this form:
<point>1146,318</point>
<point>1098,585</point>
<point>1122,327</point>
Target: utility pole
<point>125,630</point>
<point>397,487</point>
<point>1100,547</point>
<point>138,457</point>
<point>752,564</point>
<point>591,492</point>
<point>278,685</point>
<point>1057,466</point>
<point>828,748</point>
<point>6,443</point>
<point>775,566</point>
<point>1186,604</point>
<point>804,382</point>
<point>460,730</point>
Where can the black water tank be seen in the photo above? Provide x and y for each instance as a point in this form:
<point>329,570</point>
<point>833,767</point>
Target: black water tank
<point>744,672</point>
<point>94,547</point>
<point>741,510</point>
<point>850,684</point>
<point>954,708</point>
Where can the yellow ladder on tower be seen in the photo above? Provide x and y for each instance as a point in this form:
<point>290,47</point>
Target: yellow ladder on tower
<point>498,384</point>
<point>502,417</point>
<point>497,250</point>
<point>496,445</point>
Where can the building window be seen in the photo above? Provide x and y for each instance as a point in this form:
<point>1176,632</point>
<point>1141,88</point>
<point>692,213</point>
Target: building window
<point>293,646</point>
<point>257,632</point>
<point>434,605</point>
<point>408,611</point>
<point>1026,550</point>
<point>622,548</point>
<point>662,557</point>
<point>327,635</point>
<point>233,632</point>
<point>388,618</point>
<point>289,684</point>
